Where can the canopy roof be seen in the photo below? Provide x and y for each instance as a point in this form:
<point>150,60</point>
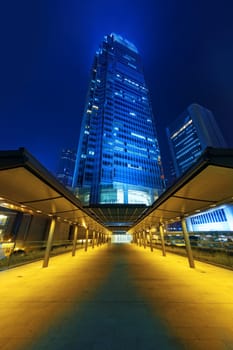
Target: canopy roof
<point>26,185</point>
<point>205,185</point>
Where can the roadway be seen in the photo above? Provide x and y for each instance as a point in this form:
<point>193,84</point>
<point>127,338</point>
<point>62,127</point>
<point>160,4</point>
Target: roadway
<point>116,297</point>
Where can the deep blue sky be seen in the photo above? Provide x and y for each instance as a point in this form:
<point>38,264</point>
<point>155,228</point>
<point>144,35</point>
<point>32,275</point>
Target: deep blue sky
<point>47,47</point>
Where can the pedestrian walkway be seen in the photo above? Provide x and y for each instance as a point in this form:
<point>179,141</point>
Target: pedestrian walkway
<point>116,297</point>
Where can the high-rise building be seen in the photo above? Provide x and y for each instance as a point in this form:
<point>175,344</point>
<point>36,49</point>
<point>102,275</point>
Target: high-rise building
<point>190,134</point>
<point>66,167</point>
<point>118,158</point>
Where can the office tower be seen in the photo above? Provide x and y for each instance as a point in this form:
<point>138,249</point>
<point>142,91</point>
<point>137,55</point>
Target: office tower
<point>118,158</point>
<point>66,167</point>
<point>190,134</point>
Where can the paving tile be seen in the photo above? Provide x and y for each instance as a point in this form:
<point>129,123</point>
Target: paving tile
<point>116,297</point>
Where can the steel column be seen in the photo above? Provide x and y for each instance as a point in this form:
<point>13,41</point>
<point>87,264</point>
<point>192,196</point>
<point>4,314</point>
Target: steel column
<point>75,240</point>
<point>151,244</point>
<point>86,240</point>
<point>161,231</point>
<point>187,243</point>
<point>49,242</point>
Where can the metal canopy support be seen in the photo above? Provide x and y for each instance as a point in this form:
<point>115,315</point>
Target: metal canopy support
<point>93,239</point>
<point>86,240</point>
<point>187,243</point>
<point>136,238</point>
<point>135,235</point>
<point>49,242</point>
<point>161,231</point>
<point>75,240</point>
<point>151,243</point>
<point>133,238</point>
<point>140,239</point>
<point>144,238</point>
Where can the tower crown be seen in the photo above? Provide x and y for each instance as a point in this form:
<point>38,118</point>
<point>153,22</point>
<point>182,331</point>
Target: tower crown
<point>122,41</point>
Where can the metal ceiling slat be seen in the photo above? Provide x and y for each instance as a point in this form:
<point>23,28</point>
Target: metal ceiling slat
<point>41,200</point>
<point>193,199</point>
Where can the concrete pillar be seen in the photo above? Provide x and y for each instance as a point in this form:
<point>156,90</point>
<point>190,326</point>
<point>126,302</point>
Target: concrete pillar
<point>98,239</point>
<point>75,240</point>
<point>49,242</point>
<point>151,243</point>
<point>161,231</point>
<point>187,243</point>
<point>86,240</point>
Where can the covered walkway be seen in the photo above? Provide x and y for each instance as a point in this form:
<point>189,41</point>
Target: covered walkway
<point>116,297</point>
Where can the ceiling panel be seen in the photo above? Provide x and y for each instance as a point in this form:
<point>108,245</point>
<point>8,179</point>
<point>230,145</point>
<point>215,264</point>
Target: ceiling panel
<point>52,206</point>
<point>214,184</point>
<point>177,206</point>
<point>22,186</point>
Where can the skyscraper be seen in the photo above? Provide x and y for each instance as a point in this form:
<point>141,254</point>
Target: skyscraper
<point>118,158</point>
<point>66,166</point>
<point>190,134</point>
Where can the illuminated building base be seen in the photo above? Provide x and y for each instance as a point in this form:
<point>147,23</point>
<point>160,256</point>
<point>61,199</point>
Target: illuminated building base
<point>119,193</point>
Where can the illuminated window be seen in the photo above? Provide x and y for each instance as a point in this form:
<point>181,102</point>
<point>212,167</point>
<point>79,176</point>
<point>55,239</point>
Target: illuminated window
<point>137,135</point>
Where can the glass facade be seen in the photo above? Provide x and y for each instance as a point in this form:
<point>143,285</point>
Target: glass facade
<point>118,158</point>
<point>189,136</point>
<point>66,167</point>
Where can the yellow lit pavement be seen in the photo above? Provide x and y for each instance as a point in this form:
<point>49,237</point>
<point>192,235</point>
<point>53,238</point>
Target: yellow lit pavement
<point>116,297</point>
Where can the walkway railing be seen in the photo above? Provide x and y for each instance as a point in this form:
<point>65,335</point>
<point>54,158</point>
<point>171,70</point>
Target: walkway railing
<point>21,252</point>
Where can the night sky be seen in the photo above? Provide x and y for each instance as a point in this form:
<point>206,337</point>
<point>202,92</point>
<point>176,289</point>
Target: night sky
<point>47,48</point>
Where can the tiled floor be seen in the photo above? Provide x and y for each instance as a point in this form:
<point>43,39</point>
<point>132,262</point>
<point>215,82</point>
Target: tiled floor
<point>116,297</point>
